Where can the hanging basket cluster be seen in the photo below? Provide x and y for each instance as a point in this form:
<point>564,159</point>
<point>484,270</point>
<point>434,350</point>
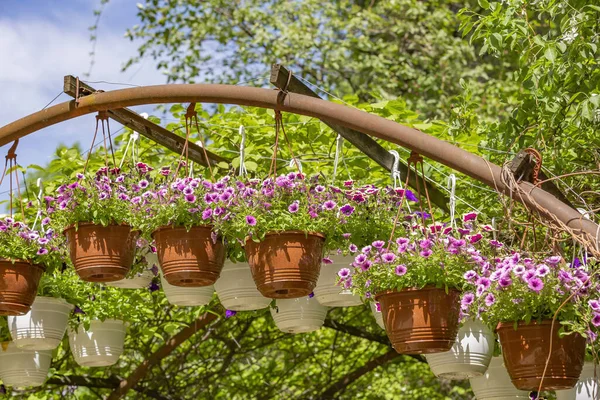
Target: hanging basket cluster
<point>301,246</point>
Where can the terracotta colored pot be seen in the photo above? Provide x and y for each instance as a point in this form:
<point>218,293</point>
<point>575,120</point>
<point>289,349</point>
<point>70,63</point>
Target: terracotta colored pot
<point>420,321</point>
<point>189,258</point>
<point>18,286</point>
<point>101,253</point>
<point>286,265</point>
<point>526,348</point>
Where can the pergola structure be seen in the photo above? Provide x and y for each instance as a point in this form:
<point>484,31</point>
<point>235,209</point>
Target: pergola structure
<point>354,125</point>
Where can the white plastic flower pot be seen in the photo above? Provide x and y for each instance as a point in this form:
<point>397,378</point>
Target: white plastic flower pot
<point>587,387</point>
<point>21,367</point>
<point>327,292</point>
<point>43,327</point>
<point>469,357</point>
<point>99,346</point>
<point>187,296</point>
<point>495,384</point>
<point>377,314</point>
<point>300,315</point>
<point>140,281</point>
<point>236,288</point>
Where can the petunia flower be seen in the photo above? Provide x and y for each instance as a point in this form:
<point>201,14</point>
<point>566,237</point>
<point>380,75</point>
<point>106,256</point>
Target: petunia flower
<point>400,270</point>
<point>250,220</point>
<point>344,273</point>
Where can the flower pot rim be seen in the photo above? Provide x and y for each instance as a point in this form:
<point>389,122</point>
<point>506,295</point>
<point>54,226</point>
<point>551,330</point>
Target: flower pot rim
<point>20,261</point>
<point>292,232</point>
<point>412,289</point>
<point>78,224</point>
<point>510,324</point>
<point>56,300</point>
<point>173,227</point>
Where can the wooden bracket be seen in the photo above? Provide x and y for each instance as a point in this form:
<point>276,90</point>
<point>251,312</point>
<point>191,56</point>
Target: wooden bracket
<point>280,77</point>
<point>522,167</point>
<point>136,122</point>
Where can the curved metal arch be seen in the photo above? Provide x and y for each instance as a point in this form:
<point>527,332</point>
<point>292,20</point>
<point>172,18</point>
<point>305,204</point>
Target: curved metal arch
<point>428,146</point>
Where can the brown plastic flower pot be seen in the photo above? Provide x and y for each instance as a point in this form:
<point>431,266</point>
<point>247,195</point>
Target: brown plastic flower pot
<point>420,321</point>
<point>286,265</point>
<point>526,349</point>
<point>101,253</point>
<point>189,258</point>
<point>18,286</point>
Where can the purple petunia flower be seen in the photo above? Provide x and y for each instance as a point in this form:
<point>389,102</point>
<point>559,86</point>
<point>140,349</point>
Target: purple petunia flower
<point>360,259</point>
<point>504,281</point>
<point>411,196</point>
<point>490,299</point>
<point>78,310</point>
<point>596,319</point>
<point>190,198</point>
<point>496,244</point>
<point>43,241</point>
<point>519,269</point>
<point>327,260</point>
<point>154,270</point>
<point>470,216</point>
<point>594,305</point>
<point>366,249</point>
<point>542,270</point>
<point>378,244</point>
<point>311,295</point>
<point>554,260</point>
<point>42,251</point>
<point>329,205</point>
<point>475,238</point>
<point>425,253</point>
<point>352,248</point>
<point>319,188</point>
<point>388,257</point>
<point>250,220</point>
<point>294,207</point>
<point>467,300</point>
<point>207,213</point>
<point>470,275</point>
<point>346,235</point>
<point>153,287</point>
<point>400,270</point>
<point>344,273</point>
<point>230,313</point>
<point>347,210</point>
<point>535,284</point>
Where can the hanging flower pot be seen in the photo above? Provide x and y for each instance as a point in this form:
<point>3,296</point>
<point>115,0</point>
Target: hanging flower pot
<point>43,327</point>
<point>376,311</point>
<point>328,292</point>
<point>495,384</point>
<point>526,349</point>
<point>286,265</point>
<point>101,253</point>
<point>187,296</point>
<point>298,315</point>
<point>236,288</point>
<point>469,356</point>
<point>587,387</point>
<point>99,346</point>
<point>20,367</point>
<point>139,281</point>
<point>189,258</point>
<point>420,321</point>
<point>19,282</point>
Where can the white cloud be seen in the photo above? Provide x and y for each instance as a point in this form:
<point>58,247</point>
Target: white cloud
<point>37,51</point>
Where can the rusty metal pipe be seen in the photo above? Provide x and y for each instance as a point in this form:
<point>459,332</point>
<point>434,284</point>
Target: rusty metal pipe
<point>428,146</point>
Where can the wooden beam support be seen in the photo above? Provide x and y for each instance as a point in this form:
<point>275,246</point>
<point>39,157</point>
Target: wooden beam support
<point>136,122</point>
<point>279,78</point>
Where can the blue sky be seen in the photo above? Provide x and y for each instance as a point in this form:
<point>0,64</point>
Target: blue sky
<point>43,40</point>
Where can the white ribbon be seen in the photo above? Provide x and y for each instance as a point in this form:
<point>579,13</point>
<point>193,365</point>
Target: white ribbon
<point>339,143</point>
<point>133,138</point>
<point>452,201</point>
<point>40,202</point>
<point>294,162</point>
<point>396,177</point>
<point>243,170</point>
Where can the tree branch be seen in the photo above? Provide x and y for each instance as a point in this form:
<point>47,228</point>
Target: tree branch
<point>112,382</point>
<point>354,331</point>
<point>343,382</point>
<point>166,349</point>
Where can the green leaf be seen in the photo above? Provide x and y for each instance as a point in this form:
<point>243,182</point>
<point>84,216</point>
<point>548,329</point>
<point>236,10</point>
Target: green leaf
<point>550,54</point>
<point>483,4</point>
